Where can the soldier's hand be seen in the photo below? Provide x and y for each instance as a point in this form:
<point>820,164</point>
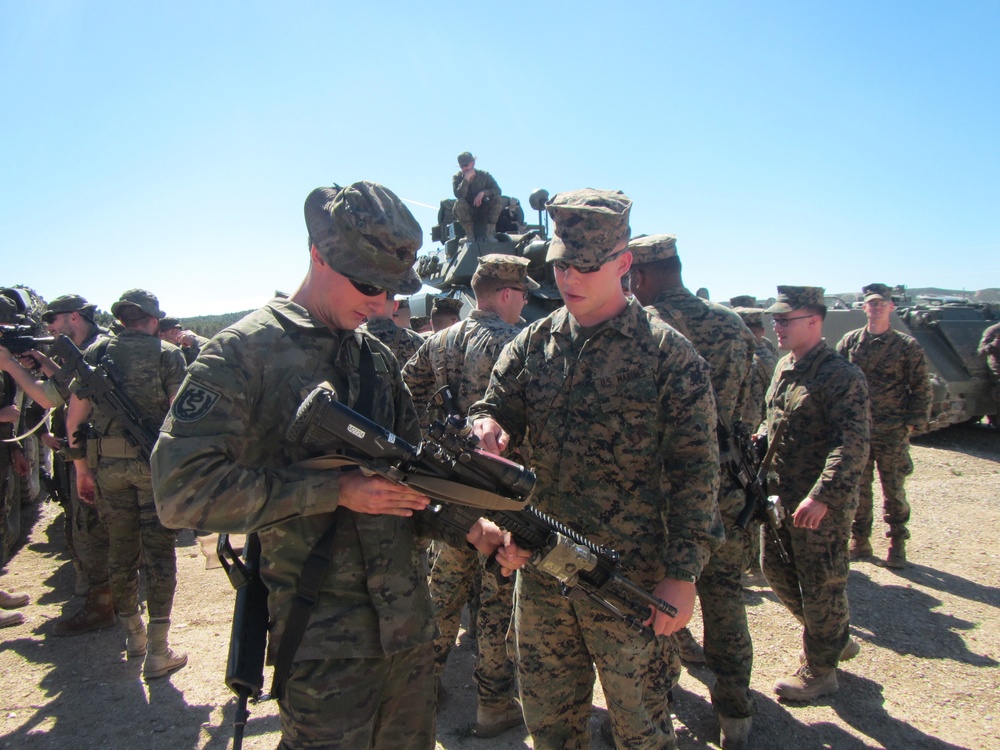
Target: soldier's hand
<point>85,485</point>
<point>478,200</point>
<point>21,465</point>
<point>51,441</point>
<point>809,514</point>
<point>680,594</point>
<point>489,538</point>
<point>10,413</point>
<point>492,438</point>
<point>378,496</point>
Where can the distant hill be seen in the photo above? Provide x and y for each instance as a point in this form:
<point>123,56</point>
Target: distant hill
<point>203,325</point>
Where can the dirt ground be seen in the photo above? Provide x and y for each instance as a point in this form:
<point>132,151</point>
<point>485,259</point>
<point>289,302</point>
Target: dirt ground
<point>927,675</point>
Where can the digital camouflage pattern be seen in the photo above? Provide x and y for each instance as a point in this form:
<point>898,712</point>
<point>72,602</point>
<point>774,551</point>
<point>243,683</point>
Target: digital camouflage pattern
<point>149,372</point>
<point>900,390</point>
<point>462,356</point>
<point>402,342</point>
<point>620,431</point>
<point>488,211</point>
<point>823,401</point>
<point>723,340</point>
<point>989,347</point>
<point>588,225</point>
<point>754,410</point>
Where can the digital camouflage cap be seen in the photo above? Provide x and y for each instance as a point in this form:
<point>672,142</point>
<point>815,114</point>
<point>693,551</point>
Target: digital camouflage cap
<point>588,225</point>
<point>752,316</point>
<point>68,303</point>
<point>145,301</point>
<point>649,248</point>
<point>365,232</point>
<point>796,297</point>
<point>743,300</point>
<point>447,304</point>
<point>877,291</point>
<point>508,269</point>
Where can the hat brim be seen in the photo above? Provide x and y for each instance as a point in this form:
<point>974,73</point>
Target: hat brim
<point>780,307</point>
<point>870,297</point>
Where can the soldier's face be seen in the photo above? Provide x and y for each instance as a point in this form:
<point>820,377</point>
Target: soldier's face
<point>594,297</point>
<point>794,329</point>
<point>878,310</point>
<point>342,305</point>
<point>61,324</point>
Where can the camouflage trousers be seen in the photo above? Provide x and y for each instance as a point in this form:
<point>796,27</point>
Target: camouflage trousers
<point>890,452</point>
<point>813,585</point>
<point>467,214</point>
<point>135,536</point>
<point>452,577</point>
<point>371,704</point>
<point>86,533</point>
<point>728,648</point>
<point>559,642</point>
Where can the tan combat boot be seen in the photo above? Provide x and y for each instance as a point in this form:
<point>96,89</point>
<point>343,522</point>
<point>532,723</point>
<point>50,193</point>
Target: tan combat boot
<point>9,619</point>
<point>97,613</point>
<point>161,661</point>
<point>852,649</point>
<point>734,732</point>
<point>860,549</point>
<point>13,601</point>
<point>495,720</point>
<point>690,651</point>
<point>806,686</point>
<point>896,557</point>
<point>135,635</point>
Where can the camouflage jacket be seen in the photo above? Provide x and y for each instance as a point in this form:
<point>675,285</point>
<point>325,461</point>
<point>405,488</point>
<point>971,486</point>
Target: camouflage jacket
<point>989,347</point>
<point>461,356</point>
<point>620,431</point>
<point>896,370</point>
<point>223,463</point>
<point>57,387</point>
<point>402,342</point>
<point>824,401</point>
<point>467,191</point>
<point>720,336</point>
<point>754,409</point>
<point>148,370</point>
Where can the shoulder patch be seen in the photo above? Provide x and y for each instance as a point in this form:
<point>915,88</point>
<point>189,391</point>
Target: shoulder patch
<point>193,402</point>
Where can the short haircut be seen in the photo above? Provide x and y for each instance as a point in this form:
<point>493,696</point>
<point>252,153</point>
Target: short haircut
<point>816,310</point>
<point>487,285</point>
<point>131,316</point>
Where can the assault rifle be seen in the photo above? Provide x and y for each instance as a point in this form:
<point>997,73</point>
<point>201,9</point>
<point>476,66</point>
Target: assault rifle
<point>98,384</point>
<point>467,483</point>
<point>749,470</point>
<point>18,339</point>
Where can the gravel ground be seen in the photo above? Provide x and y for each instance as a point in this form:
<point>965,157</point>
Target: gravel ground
<point>926,677</point>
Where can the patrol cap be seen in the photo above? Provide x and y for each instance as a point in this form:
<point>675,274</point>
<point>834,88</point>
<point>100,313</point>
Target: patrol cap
<point>465,158</point>
<point>752,316</point>
<point>68,303</point>
<point>877,291</point>
<point>589,225</point>
<point>447,304</point>
<point>743,300</point>
<point>365,232</point>
<point>167,323</point>
<point>649,248</point>
<point>509,269</point>
<point>419,321</point>
<point>796,297</point>
<point>145,301</point>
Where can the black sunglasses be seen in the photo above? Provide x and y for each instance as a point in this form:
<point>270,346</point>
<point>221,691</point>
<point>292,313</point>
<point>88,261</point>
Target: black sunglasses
<point>369,290</point>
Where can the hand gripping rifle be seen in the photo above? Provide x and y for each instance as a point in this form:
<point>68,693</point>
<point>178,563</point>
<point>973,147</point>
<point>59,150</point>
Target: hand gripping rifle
<point>467,483</point>
<point>750,472</point>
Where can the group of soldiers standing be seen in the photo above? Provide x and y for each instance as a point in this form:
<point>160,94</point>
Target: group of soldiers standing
<point>615,400</point>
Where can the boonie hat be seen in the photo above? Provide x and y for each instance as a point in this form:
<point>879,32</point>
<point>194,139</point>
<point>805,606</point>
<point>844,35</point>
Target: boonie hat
<point>365,232</point>
<point>649,248</point>
<point>796,297</point>
<point>589,225</point>
<point>877,291</point>
<point>145,301</point>
<point>509,269</point>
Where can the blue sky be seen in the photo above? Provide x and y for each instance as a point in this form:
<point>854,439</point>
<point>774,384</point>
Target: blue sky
<point>172,146</point>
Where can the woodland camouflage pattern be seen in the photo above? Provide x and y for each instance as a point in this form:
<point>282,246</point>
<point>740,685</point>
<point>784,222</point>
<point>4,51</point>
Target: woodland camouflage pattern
<point>823,399</point>
<point>900,391</point>
<point>620,431</point>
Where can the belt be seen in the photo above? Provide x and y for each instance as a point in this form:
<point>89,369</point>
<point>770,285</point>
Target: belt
<point>116,446</point>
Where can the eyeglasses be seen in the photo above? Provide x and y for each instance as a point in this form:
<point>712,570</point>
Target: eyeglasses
<point>369,290</point>
<point>783,322</point>
<point>524,292</point>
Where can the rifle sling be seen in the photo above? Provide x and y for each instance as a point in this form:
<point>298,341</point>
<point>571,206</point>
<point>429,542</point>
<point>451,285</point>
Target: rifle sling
<point>320,556</point>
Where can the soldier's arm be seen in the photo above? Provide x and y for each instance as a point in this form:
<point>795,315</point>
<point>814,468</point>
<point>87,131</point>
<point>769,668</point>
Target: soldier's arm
<point>418,374</point>
<point>921,391</point>
<point>504,400</point>
<point>489,186</point>
<point>460,186</point>
<point>25,380</point>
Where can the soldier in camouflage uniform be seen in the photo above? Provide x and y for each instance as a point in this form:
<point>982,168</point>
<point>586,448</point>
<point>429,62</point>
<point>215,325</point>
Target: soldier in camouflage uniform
<point>189,342</point>
<point>900,390</point>
<point>115,476</point>
<point>613,410</point>
<point>989,347</point>
<point>720,337</point>
<point>477,200</point>
<point>363,674</point>
<point>445,312</point>
<point>402,342</point>
<point>822,399</point>
<point>401,316</point>
<point>462,357</point>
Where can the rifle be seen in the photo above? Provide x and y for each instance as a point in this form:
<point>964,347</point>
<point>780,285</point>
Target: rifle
<point>467,484</point>
<point>248,637</point>
<point>18,339</point>
<point>98,384</point>
<point>750,472</point>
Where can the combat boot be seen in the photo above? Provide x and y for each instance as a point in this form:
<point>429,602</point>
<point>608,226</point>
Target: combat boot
<point>161,661</point>
<point>896,557</point>
<point>734,732</point>
<point>860,549</point>
<point>9,619</point>
<point>13,601</point>
<point>852,649</point>
<point>804,685</point>
<point>135,635</point>
<point>97,613</point>
<point>495,720</point>
<point>690,651</point>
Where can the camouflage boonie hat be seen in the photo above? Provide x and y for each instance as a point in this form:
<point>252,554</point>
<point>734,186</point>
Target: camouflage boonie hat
<point>145,301</point>
<point>447,304</point>
<point>589,225</point>
<point>796,297</point>
<point>653,247</point>
<point>465,158</point>
<point>877,291</point>
<point>743,300</point>
<point>167,323</point>
<point>509,269</point>
<point>365,232</point>
<point>66,304</point>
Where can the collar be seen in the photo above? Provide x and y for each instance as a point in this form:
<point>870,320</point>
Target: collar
<point>626,323</point>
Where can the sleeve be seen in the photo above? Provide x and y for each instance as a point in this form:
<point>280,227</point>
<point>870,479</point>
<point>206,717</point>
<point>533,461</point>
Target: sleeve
<point>418,374</point>
<point>459,187</point>
<point>921,394</point>
<point>490,186</point>
<point>504,399</point>
<point>172,369</point>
